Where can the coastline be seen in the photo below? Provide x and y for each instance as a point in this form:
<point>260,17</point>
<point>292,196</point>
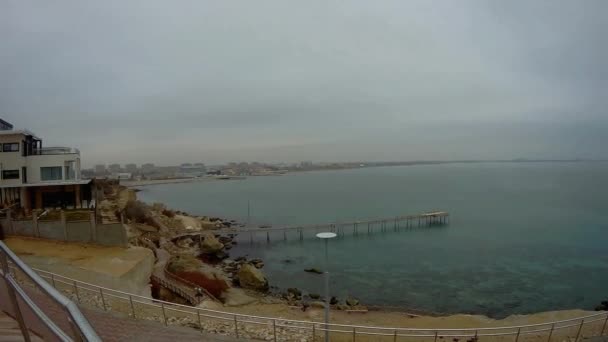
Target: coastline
<point>149,182</point>
<point>278,304</point>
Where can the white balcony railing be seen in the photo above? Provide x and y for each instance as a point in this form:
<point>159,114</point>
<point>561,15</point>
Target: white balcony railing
<point>55,150</point>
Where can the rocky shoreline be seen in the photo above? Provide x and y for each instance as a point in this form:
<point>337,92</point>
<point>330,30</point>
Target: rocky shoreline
<point>199,256</point>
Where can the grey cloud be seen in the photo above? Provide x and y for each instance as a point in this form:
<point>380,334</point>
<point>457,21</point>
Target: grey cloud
<point>284,81</point>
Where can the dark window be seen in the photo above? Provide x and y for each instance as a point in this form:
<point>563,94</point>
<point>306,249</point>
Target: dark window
<point>24,173</point>
<point>10,174</point>
<point>50,173</point>
<point>10,147</point>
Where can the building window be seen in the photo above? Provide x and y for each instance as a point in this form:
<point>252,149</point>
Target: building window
<point>10,174</point>
<point>70,171</point>
<point>10,147</point>
<point>50,173</point>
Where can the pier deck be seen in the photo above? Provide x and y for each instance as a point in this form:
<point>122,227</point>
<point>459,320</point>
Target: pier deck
<point>408,221</point>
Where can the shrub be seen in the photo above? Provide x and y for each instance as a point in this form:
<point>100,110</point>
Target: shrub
<point>168,213</point>
<point>137,211</point>
<point>214,285</point>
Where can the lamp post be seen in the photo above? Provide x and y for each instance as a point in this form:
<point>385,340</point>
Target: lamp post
<point>326,236</point>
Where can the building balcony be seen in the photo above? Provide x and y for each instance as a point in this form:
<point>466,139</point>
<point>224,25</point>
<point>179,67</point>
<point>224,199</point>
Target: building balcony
<point>45,151</point>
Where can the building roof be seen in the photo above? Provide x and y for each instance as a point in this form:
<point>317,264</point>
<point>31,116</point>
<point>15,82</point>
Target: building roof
<point>28,185</point>
<point>18,132</point>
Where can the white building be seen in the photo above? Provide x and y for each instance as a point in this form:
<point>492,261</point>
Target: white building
<point>33,177</point>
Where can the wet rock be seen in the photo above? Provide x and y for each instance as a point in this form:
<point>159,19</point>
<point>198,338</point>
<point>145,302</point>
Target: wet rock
<point>228,262</point>
<point>352,301</point>
<point>333,301</point>
<point>295,292</point>
<point>314,295</point>
<point>313,270</point>
<point>221,255</point>
<point>252,278</point>
<point>225,239</point>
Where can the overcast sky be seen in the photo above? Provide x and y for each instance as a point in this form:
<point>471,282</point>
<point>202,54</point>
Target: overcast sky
<point>216,81</point>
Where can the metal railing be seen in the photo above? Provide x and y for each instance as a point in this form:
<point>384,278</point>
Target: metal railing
<point>281,329</point>
<point>39,307</point>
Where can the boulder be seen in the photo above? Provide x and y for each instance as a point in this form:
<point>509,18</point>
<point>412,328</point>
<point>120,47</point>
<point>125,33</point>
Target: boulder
<point>225,239</point>
<point>313,270</point>
<point>342,307</point>
<point>314,295</point>
<point>317,305</point>
<point>221,255</point>
<point>295,292</point>
<point>185,242</point>
<point>333,301</point>
<point>228,262</point>
<point>352,301</point>
<point>210,244</point>
<point>252,278</point>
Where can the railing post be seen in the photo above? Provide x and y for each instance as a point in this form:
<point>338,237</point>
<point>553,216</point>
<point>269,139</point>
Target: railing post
<point>53,280</point>
<point>132,307</point>
<point>604,326</point>
<point>76,291</point>
<point>580,328</point>
<point>354,334</point>
<point>103,300</point>
<point>13,296</point>
<point>236,327</point>
<point>162,307</point>
<point>200,325</point>
<point>395,332</point>
<point>274,329</point>
<point>436,336</point>
<point>551,332</point>
<point>517,336</point>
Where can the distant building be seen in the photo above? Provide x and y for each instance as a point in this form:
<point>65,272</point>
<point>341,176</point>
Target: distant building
<point>100,169</point>
<point>114,168</point>
<point>34,177</point>
<point>122,176</point>
<point>147,168</point>
<point>191,170</point>
<point>132,168</point>
<point>5,126</point>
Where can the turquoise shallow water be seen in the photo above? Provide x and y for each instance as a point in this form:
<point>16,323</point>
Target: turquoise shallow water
<point>523,237</point>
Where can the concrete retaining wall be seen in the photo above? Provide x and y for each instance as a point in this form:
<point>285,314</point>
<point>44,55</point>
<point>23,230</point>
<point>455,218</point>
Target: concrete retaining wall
<point>23,228</point>
<point>79,231</point>
<point>112,234</point>
<point>52,230</point>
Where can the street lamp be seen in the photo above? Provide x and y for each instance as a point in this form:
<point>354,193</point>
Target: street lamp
<point>326,236</point>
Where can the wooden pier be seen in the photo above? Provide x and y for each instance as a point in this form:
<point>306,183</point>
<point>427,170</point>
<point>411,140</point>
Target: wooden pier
<point>429,219</point>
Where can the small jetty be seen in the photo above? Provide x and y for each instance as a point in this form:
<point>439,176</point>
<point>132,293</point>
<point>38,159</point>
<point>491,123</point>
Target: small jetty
<point>428,219</point>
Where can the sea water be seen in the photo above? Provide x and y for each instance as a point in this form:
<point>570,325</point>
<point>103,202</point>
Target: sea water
<point>522,237</point>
